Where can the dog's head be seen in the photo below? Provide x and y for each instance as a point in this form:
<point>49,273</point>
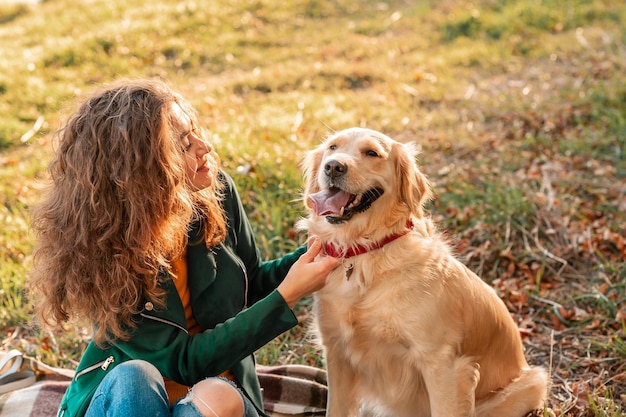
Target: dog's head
<point>358,175</point>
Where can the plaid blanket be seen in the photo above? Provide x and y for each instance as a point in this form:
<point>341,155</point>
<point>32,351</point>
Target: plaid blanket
<point>289,390</point>
<point>292,390</point>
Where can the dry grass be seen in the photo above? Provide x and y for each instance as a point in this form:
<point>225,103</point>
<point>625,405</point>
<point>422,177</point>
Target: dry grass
<point>519,108</point>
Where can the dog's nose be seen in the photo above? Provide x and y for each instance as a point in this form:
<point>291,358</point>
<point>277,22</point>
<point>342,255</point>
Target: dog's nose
<point>335,169</point>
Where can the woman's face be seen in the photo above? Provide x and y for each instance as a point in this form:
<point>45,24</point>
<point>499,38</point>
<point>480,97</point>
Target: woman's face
<point>201,163</point>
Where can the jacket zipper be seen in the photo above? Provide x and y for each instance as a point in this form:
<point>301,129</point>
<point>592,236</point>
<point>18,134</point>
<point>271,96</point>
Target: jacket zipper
<point>241,265</point>
<point>108,361</point>
<point>171,323</point>
<point>104,365</point>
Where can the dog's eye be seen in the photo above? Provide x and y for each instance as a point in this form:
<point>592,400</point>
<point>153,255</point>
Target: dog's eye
<point>332,147</point>
<point>372,153</point>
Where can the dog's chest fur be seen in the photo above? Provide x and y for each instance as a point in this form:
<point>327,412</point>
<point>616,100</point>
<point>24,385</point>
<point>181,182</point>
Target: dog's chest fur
<point>369,333</point>
<point>352,315</point>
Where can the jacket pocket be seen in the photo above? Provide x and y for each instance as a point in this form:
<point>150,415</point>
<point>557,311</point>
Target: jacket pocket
<point>164,321</point>
<point>103,365</point>
<point>78,395</point>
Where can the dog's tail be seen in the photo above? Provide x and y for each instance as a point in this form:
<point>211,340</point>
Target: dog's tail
<point>526,393</point>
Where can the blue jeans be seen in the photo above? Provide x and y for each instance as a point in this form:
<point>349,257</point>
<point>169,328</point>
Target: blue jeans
<point>136,388</point>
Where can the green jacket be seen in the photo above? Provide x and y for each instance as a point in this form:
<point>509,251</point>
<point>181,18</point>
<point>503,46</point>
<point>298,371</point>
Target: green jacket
<point>231,333</point>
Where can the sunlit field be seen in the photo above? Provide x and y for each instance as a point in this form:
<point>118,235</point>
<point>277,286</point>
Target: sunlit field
<point>518,108</point>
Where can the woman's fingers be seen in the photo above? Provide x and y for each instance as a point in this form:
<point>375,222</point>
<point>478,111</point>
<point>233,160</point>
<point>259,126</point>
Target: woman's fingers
<point>308,274</point>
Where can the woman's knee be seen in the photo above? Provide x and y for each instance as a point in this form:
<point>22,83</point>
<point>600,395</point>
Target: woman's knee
<point>130,388</point>
<point>215,397</point>
<point>137,371</point>
<point>135,379</point>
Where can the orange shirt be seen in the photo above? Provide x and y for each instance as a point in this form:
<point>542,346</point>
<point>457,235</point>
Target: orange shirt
<point>174,389</point>
<point>180,269</point>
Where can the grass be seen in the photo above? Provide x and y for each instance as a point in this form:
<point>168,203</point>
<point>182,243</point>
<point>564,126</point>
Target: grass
<point>519,109</point>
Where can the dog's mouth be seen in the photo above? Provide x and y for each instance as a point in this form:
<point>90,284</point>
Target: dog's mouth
<point>339,206</point>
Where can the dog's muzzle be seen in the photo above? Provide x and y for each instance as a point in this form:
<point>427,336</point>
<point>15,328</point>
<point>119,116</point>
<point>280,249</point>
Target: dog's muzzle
<point>334,202</point>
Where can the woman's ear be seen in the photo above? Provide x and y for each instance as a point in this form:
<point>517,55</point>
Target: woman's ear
<point>414,189</point>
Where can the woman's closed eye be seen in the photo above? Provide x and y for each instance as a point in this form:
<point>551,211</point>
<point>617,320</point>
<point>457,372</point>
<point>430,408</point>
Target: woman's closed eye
<point>186,138</point>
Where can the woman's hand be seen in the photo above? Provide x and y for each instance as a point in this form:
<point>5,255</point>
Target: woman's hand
<point>307,275</point>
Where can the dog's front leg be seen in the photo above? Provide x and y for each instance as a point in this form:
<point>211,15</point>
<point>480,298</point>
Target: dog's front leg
<point>343,398</point>
<point>451,385</point>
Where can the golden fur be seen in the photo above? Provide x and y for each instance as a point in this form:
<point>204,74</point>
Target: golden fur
<point>410,332</point>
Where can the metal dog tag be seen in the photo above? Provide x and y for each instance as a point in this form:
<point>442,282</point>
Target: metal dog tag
<point>348,266</point>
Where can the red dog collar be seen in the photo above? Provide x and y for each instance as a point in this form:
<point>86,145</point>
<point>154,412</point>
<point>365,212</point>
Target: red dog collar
<point>331,250</point>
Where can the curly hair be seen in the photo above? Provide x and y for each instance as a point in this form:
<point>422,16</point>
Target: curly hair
<point>117,211</point>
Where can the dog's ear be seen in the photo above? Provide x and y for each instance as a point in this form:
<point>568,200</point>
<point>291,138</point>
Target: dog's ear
<point>413,187</point>
<point>310,165</point>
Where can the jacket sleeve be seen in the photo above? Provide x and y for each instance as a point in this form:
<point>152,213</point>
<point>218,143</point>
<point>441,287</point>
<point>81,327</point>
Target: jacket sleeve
<point>188,359</point>
<point>264,276</point>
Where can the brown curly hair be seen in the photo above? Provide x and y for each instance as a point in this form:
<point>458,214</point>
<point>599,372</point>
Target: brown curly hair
<point>117,211</point>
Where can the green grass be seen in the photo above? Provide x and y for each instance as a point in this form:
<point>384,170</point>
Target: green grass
<point>519,108</point>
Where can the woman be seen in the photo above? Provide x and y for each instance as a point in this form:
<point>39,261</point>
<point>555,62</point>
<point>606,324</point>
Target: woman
<point>142,235</point>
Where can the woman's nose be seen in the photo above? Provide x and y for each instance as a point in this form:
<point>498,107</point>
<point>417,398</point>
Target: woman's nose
<point>203,147</point>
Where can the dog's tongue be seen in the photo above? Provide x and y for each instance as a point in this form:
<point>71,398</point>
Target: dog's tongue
<point>329,201</point>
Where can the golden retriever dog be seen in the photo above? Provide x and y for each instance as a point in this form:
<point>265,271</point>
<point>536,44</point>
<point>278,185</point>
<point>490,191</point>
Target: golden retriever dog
<point>407,329</point>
